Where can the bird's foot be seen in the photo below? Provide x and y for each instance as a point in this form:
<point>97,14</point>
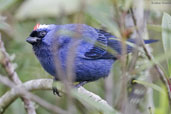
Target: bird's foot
<point>55,91</point>
<point>54,88</point>
<point>80,84</point>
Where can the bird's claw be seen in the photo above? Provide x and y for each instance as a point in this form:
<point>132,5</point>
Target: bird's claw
<point>55,91</point>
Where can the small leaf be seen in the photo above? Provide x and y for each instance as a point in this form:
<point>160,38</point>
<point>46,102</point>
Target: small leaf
<point>153,86</point>
<point>166,37</point>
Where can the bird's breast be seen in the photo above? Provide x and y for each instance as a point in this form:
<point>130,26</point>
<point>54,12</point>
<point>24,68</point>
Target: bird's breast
<point>46,59</point>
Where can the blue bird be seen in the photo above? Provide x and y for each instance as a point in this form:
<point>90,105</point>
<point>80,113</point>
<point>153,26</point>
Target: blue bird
<point>91,62</point>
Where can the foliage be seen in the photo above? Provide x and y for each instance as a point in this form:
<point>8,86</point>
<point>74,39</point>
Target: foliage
<point>18,17</point>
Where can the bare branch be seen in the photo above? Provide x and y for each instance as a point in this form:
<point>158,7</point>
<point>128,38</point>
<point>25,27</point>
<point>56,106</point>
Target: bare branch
<point>21,90</point>
<point>41,84</point>
<point>8,66</point>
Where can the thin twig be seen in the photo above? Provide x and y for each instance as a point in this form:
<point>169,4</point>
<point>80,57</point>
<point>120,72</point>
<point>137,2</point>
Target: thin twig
<point>9,68</point>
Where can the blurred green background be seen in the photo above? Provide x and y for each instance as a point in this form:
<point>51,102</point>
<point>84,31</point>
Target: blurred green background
<point>18,18</point>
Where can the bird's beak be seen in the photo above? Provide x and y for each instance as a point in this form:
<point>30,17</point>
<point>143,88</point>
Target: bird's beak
<point>33,40</point>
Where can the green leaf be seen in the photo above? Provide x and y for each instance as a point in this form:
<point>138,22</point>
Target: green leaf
<point>153,86</point>
<point>46,8</point>
<point>163,105</point>
<point>166,37</point>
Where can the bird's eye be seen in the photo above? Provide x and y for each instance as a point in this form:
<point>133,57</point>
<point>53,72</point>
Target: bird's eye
<point>42,34</point>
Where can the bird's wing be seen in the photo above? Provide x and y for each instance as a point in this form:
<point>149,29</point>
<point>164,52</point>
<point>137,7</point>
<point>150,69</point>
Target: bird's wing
<point>97,52</point>
<point>108,40</point>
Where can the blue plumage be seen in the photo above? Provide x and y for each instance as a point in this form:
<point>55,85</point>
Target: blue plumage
<point>62,41</point>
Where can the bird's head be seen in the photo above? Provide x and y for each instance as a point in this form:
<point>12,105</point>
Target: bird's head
<point>40,34</point>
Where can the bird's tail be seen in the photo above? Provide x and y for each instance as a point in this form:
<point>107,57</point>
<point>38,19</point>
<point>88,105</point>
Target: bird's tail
<point>129,48</point>
<point>145,41</point>
<point>150,41</point>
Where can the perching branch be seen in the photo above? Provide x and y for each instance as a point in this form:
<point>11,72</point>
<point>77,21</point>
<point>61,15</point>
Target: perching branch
<point>9,68</point>
<point>22,90</point>
<point>11,95</point>
<point>41,84</point>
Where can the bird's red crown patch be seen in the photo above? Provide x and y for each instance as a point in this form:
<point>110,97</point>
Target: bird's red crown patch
<point>36,27</point>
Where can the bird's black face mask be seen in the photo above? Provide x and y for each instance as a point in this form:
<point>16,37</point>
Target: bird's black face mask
<point>36,37</point>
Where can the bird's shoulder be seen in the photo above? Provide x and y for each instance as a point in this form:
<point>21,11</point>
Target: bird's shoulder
<point>99,48</point>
